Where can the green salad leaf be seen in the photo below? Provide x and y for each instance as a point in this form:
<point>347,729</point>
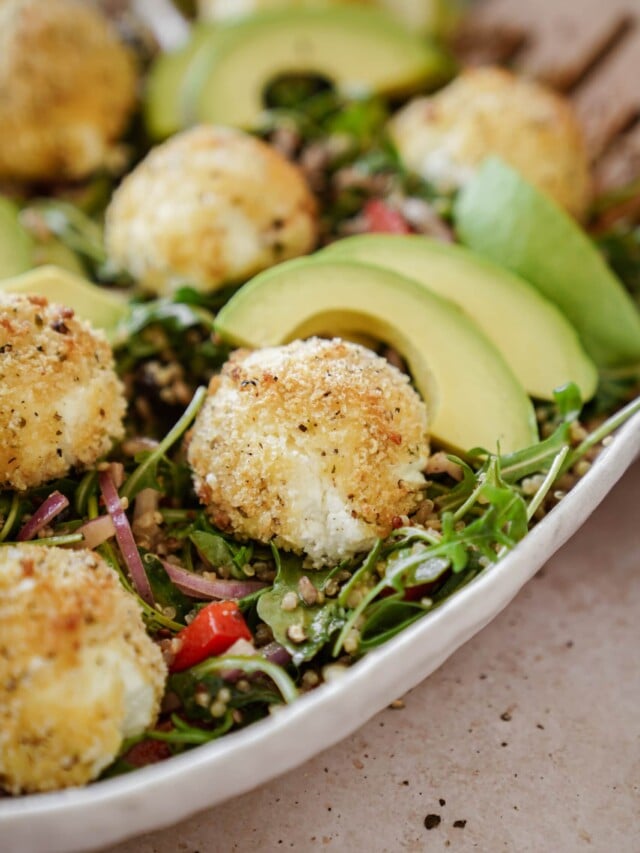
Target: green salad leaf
<point>302,628</point>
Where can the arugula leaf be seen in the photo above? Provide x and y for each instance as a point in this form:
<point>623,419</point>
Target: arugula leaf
<point>213,549</point>
<point>539,457</point>
<point>501,524</point>
<point>189,686</point>
<point>317,622</point>
<point>145,474</point>
<point>386,618</point>
<point>165,593</point>
<point>176,317</point>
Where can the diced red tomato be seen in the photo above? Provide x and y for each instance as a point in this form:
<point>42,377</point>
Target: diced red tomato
<point>212,632</point>
<point>383,219</point>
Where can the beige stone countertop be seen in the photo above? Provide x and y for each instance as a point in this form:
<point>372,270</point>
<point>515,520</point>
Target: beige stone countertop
<point>527,739</point>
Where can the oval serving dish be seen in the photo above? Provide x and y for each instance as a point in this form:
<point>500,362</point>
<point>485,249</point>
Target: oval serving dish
<point>156,796</point>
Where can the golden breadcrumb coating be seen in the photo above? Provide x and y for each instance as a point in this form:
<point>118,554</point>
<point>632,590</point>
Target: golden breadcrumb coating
<point>316,446</point>
<point>78,672</point>
<point>210,206</point>
<point>489,111</point>
<point>61,403</point>
<point>67,89</point>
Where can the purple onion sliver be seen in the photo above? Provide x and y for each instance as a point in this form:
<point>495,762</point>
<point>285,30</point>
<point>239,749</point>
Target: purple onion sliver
<point>47,511</point>
<point>273,652</point>
<point>197,586</point>
<point>125,538</point>
<point>276,653</point>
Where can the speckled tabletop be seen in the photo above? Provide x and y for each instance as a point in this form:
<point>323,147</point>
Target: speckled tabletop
<point>527,739</point>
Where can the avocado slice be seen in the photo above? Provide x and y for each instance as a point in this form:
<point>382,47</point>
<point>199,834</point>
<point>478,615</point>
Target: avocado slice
<point>360,50</point>
<point>16,244</point>
<point>423,16</point>
<point>162,106</point>
<point>502,216</point>
<point>102,309</point>
<point>472,396</point>
<point>509,311</point>
<point>53,252</point>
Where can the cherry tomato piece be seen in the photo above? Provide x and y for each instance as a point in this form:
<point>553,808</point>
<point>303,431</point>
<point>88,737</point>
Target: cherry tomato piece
<point>216,627</point>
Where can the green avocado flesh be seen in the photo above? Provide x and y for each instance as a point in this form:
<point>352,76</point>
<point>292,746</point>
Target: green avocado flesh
<point>503,217</point>
<point>534,337</point>
<point>90,302</point>
<point>52,252</point>
<point>162,103</point>
<point>16,244</point>
<point>221,76</point>
<point>473,398</point>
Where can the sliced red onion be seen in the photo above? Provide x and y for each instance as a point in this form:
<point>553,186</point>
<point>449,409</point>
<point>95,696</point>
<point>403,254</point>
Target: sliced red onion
<point>200,587</point>
<point>97,531</point>
<point>276,654</point>
<point>124,536</point>
<point>47,511</point>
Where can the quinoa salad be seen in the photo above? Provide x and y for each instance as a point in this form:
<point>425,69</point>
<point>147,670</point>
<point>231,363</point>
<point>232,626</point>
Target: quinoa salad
<point>277,377</point>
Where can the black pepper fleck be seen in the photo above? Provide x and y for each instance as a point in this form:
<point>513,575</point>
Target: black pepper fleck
<point>506,716</point>
<point>432,820</point>
<point>442,802</point>
<point>459,824</point>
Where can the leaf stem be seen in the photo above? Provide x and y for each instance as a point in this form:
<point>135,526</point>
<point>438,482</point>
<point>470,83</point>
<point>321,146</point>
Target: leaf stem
<point>11,517</point>
<point>130,487</point>
<point>601,432</point>
<point>249,665</point>
<point>546,484</point>
<point>67,539</point>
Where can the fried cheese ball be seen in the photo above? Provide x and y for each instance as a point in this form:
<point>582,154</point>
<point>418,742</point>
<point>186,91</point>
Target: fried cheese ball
<point>67,89</point>
<point>78,672</point>
<point>317,446</point>
<point>210,206</point>
<point>489,111</point>
<point>61,402</point>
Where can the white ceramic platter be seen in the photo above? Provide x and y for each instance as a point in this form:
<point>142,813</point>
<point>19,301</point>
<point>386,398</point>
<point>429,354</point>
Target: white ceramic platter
<point>156,796</point>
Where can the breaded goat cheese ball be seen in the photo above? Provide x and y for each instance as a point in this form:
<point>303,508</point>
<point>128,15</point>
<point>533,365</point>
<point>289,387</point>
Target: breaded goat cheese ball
<point>61,402</point>
<point>489,111</point>
<point>67,89</point>
<point>78,672</point>
<point>316,446</point>
<point>210,206</point>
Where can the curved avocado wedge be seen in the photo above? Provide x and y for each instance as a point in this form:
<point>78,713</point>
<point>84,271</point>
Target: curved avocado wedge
<point>162,106</point>
<point>53,252</point>
<point>503,217</point>
<point>472,397</point>
<point>535,339</point>
<point>102,309</point>
<point>360,50</point>
<point>16,244</point>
